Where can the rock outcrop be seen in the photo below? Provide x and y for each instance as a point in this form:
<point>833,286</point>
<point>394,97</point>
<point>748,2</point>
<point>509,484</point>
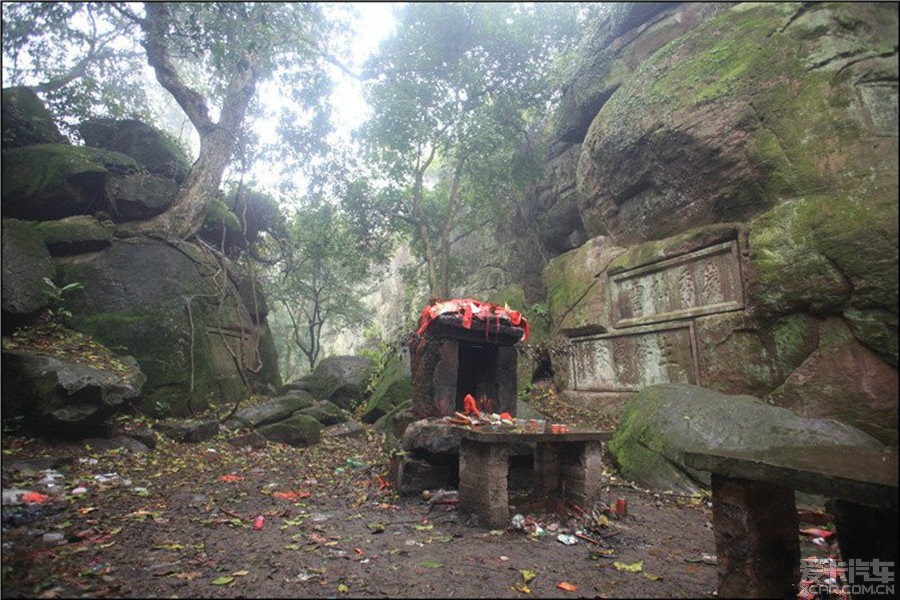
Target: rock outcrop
<point>738,182</point>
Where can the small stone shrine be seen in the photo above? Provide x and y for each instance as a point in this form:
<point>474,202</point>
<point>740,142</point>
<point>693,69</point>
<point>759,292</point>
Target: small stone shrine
<point>465,347</point>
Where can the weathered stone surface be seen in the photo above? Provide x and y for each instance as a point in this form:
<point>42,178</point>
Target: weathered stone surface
<point>747,109</point>
<point>431,439</point>
<point>325,412</point>
<point>347,429</point>
<point>340,379</point>
<point>149,146</point>
<point>663,421</point>
<point>53,181</point>
<point>188,430</point>
<point>26,121</point>
<point>394,423</point>
<point>627,34</point>
<point>845,381</point>
<point>300,384</point>
<point>271,411</point>
<point>63,398</point>
<point>158,300</point>
<point>138,195</point>
<point>74,235</point>
<point>297,430</point>
<point>253,439</point>
<point>26,262</point>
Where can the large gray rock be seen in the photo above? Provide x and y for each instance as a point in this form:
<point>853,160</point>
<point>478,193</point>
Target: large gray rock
<point>326,413</point>
<point>26,262</point>
<point>271,411</point>
<point>394,387</point>
<point>298,430</point>
<point>663,421</point>
<point>52,181</point>
<point>26,121</point>
<point>149,146</point>
<point>159,300</point>
<point>340,379</point>
<point>62,398</point>
<point>74,235</point>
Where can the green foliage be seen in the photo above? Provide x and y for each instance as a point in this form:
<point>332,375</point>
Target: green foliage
<point>452,93</point>
<point>56,295</point>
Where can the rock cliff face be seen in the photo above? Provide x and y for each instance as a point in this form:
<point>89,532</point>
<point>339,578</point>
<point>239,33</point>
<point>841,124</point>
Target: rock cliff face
<point>195,325</point>
<point>736,183</point>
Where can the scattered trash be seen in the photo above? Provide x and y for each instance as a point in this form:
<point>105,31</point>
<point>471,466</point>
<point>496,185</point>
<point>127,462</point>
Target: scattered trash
<point>565,585</point>
<point>258,522</point>
<point>621,507</point>
<point>88,461</point>
<point>79,490</point>
<point>291,495</point>
<point>517,521</point>
<point>568,540</point>
<point>55,539</point>
<point>35,498</point>
<point>706,559</point>
<point>354,463</point>
<point>817,533</point>
<point>231,478</point>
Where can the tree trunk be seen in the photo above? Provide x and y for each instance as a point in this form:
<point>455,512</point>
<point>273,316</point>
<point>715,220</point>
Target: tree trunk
<point>452,205</point>
<point>217,140</point>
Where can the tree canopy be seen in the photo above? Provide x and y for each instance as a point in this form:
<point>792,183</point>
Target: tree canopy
<point>454,84</point>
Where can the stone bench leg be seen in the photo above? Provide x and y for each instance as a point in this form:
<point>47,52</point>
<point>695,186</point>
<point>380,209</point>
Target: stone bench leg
<point>582,471</point>
<point>546,468</point>
<point>757,539</point>
<point>483,472</point>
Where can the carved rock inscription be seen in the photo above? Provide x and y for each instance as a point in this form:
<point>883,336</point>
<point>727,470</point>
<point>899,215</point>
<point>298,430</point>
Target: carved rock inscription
<point>699,283</point>
<point>628,362</point>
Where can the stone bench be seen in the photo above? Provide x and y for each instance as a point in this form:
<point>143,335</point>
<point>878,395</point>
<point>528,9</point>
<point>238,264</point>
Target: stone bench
<point>755,516</point>
<point>568,462</point>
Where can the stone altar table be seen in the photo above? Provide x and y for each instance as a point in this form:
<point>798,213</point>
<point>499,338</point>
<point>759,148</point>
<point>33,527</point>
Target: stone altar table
<point>569,462</point>
<point>755,516</point>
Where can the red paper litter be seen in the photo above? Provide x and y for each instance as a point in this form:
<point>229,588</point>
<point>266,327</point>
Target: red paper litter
<point>472,309</point>
<point>35,497</point>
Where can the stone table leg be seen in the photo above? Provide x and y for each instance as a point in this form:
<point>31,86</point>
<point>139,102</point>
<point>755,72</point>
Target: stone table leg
<point>868,540</point>
<point>483,472</point>
<point>757,540</point>
<point>546,468</point>
<point>582,469</point>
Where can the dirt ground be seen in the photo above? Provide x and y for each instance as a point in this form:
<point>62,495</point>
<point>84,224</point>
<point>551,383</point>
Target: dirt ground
<point>178,522</point>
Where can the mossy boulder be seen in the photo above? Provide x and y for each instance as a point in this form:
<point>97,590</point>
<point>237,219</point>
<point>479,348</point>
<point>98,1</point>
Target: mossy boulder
<point>26,262</point>
<point>663,421</point>
<point>26,121</point>
<point>271,411</point>
<point>341,380</point>
<point>393,387</point>
<point>53,181</point>
<point>159,301</point>
<point>326,413</point>
<point>759,105</point>
<point>74,235</point>
<point>297,430</point>
<point>152,148</point>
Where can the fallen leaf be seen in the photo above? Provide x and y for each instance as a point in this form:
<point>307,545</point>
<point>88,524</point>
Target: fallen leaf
<point>343,589</point>
<point>241,573</point>
<point>291,495</point>
<point>528,575</point>
<point>636,567</point>
<point>423,527</point>
<point>222,580</point>
<point>428,564</point>
<point>522,588</point>
<point>652,576</point>
<point>565,585</point>
<point>231,478</point>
